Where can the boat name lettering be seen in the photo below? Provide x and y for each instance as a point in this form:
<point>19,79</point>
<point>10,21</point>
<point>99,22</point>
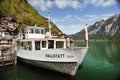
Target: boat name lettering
<point>70,56</point>
<point>55,55</point>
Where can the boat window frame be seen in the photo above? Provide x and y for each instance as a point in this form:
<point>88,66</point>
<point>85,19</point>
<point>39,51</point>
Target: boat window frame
<point>44,45</point>
<point>37,47</point>
<point>20,45</point>
<point>29,45</point>
<point>59,44</point>
<point>37,31</point>
<point>26,45</point>
<point>31,30</point>
<point>51,44</point>
<point>42,31</point>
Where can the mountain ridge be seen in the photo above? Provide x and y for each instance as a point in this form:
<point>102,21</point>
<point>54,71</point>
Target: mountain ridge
<point>103,29</point>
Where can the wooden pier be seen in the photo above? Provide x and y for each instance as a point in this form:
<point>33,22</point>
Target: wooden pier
<point>8,57</point>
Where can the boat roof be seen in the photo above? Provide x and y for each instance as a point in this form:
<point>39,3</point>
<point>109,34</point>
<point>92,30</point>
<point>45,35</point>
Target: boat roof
<point>37,27</point>
<point>38,39</point>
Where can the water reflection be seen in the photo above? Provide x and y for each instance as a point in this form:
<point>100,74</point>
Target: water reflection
<point>106,51</point>
<point>102,61</point>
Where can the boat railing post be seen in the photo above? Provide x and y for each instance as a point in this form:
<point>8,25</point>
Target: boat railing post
<point>86,43</point>
<point>72,44</point>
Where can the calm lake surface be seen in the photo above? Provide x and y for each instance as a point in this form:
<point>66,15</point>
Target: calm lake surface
<point>102,62</point>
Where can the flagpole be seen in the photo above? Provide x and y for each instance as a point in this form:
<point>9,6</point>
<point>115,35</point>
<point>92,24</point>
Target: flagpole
<point>86,35</point>
<point>86,43</point>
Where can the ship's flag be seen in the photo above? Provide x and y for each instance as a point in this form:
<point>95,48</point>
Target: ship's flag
<point>85,33</point>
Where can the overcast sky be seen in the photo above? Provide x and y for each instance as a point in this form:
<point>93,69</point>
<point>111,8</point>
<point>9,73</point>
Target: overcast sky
<point>71,15</point>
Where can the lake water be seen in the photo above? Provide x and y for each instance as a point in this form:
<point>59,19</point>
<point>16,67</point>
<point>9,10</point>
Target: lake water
<point>102,62</point>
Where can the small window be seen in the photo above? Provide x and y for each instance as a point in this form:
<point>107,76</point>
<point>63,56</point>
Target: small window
<point>30,45</point>
<point>50,44</point>
<point>37,45</point>
<point>59,44</point>
<point>37,31</point>
<point>20,45</point>
<point>42,31</point>
<point>31,30</point>
<point>44,44</point>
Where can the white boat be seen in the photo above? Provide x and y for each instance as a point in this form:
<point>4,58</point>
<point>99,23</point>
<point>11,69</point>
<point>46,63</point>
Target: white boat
<point>57,54</point>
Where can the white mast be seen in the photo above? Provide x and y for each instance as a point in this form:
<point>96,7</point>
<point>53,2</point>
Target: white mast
<point>49,25</point>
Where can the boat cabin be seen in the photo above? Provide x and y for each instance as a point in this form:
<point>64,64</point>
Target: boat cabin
<point>41,44</point>
<point>34,39</point>
<point>34,32</point>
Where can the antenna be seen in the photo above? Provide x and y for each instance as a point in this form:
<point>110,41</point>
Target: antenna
<point>49,25</point>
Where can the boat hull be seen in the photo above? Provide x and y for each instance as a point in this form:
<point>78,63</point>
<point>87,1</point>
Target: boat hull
<point>68,65</point>
<point>68,68</point>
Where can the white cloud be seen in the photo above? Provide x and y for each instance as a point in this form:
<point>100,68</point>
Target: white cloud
<point>106,16</point>
<point>108,3</point>
<point>64,19</point>
<point>44,5</point>
<point>71,29</point>
<point>61,3</point>
<point>91,17</point>
<point>49,3</point>
<point>75,18</point>
<point>67,3</point>
<point>100,3</point>
<point>75,4</point>
<point>68,16</point>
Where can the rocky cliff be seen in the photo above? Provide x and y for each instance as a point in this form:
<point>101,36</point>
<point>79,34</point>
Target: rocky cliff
<point>103,29</point>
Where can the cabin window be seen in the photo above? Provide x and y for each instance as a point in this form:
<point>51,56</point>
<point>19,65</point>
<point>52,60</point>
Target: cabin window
<point>37,45</point>
<point>37,31</point>
<point>20,44</point>
<point>42,31</point>
<point>59,44</point>
<point>27,31</point>
<point>29,45</point>
<point>44,44</point>
<point>31,30</point>
<point>50,44</point>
